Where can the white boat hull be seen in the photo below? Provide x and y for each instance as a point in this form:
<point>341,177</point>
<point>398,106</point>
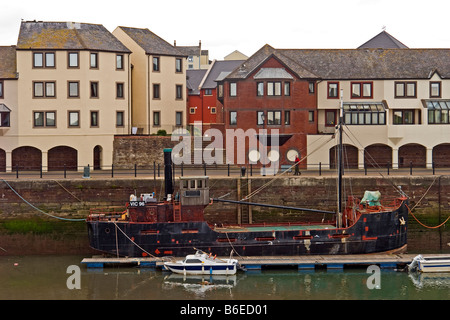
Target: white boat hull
<point>201,269</point>
<point>430,264</point>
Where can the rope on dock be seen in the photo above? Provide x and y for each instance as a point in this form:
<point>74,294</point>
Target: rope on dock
<point>34,207</point>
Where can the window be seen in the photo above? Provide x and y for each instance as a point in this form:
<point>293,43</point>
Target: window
<point>330,118</point>
<point>119,90</point>
<point>38,60</point>
<point>156,88</point>
<point>49,59</point>
<point>44,119</point>
<point>74,89</point>
<point>94,89</point>
<point>274,88</point>
<point>403,117</point>
<point>435,89</point>
<point>44,89</point>
<point>364,114</point>
<point>233,89</point>
<point>73,60</point>
<point>274,118</point>
<point>156,64</point>
<point>220,91</point>
<point>179,92</point>
<point>405,89</point>
<point>4,116</point>
<point>156,118</point>
<point>260,89</point>
<point>287,89</point>
<point>311,116</point>
<point>94,60</point>
<point>74,119</point>
<point>44,60</point>
<point>1,89</point>
<point>438,112</point>
<point>333,89</point>
<point>192,110</point>
<point>260,118</point>
<point>120,119</point>
<point>213,110</point>
<point>94,119</point>
<point>119,62</point>
<point>208,92</point>
<point>361,90</point>
<point>233,117</point>
<point>178,65</point>
<point>312,87</point>
<point>287,117</point>
<point>179,118</point>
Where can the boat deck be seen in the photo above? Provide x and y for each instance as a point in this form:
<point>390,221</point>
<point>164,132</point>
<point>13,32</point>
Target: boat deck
<point>227,229</point>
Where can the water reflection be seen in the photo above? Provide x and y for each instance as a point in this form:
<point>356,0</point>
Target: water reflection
<point>36,277</point>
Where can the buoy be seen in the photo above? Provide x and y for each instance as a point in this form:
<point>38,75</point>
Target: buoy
<point>15,264</point>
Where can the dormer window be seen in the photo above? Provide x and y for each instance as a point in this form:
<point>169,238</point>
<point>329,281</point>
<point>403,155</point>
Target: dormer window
<point>4,116</point>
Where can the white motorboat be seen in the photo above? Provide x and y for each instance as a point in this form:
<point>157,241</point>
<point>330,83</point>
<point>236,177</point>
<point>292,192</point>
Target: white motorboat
<point>203,263</point>
<point>430,264</point>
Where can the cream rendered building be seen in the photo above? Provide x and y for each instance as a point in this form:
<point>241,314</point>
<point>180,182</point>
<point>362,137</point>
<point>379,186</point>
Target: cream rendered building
<point>70,99</point>
<point>158,81</point>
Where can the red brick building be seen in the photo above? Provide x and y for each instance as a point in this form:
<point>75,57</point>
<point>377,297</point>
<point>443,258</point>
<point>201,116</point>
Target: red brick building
<point>270,91</point>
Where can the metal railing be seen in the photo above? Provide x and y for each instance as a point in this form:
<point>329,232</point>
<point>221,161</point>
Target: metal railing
<point>156,170</point>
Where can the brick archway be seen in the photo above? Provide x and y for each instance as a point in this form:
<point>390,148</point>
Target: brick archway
<point>350,156</point>
<point>62,156</point>
<point>441,155</point>
<point>2,160</point>
<point>27,158</point>
<point>412,153</point>
<point>378,155</point>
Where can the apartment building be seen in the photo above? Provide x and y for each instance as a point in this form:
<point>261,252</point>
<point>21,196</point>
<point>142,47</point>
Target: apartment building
<point>395,100</point>
<point>65,86</point>
<point>158,81</point>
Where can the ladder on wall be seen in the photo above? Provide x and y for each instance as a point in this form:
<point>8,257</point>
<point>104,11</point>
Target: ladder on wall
<point>177,211</point>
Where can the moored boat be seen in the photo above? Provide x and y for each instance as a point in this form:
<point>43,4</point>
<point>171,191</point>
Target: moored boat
<point>201,263</point>
<point>430,264</point>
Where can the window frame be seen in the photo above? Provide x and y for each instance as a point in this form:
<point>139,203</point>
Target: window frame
<point>120,84</point>
<point>96,95</point>
<point>69,113</point>
<point>156,67</point>
<point>178,65</point>
<point>361,85</point>
<point>96,66</point>
<point>179,114</point>
<point>276,121</point>
<point>96,123</point>
<point>69,60</point>
<point>439,88</point>
<point>121,123</point>
<point>156,94</point>
<point>233,89</point>
<point>329,83</point>
<point>2,89</point>
<point>120,62</point>
<point>45,119</point>
<point>45,90</point>
<point>69,83</point>
<point>156,120</point>
<point>232,118</point>
<point>178,92</point>
<point>405,94</point>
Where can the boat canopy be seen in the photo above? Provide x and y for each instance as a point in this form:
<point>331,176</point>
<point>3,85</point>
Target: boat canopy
<point>371,198</point>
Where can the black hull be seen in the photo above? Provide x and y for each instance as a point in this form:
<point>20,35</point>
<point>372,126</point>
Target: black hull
<point>372,233</point>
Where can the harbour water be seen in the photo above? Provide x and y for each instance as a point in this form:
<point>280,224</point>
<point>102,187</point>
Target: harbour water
<point>55,278</point>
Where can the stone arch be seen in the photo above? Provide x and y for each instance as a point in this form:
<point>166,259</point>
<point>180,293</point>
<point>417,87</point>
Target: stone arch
<point>441,155</point>
<point>27,158</point>
<point>412,153</point>
<point>62,157</point>
<point>2,160</point>
<point>378,155</point>
<point>350,157</point>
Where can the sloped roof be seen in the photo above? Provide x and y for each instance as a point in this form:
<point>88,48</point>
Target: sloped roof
<point>193,80</point>
<point>373,63</point>
<point>67,36</point>
<point>383,40</point>
<point>273,73</point>
<point>353,64</point>
<point>8,69</point>
<point>256,60</point>
<point>217,68</point>
<point>152,43</point>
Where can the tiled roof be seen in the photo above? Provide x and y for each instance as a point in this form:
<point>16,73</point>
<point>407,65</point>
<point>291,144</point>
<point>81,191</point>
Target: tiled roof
<point>383,40</point>
<point>217,68</point>
<point>151,43</point>
<point>193,80</point>
<point>8,68</point>
<point>67,36</point>
<point>353,64</point>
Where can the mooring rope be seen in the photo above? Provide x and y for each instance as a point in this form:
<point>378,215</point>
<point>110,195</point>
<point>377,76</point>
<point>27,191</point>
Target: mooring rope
<point>117,227</point>
<point>34,207</point>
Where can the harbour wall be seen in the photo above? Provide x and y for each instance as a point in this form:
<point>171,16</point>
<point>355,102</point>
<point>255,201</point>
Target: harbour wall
<point>72,199</point>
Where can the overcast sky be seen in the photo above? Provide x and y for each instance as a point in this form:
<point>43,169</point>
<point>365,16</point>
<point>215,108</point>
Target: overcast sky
<point>247,25</point>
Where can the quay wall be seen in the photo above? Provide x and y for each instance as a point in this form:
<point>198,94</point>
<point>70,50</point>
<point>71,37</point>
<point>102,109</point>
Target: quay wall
<point>25,230</point>
<point>74,197</point>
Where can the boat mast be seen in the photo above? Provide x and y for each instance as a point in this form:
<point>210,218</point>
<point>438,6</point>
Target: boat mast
<point>340,162</point>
